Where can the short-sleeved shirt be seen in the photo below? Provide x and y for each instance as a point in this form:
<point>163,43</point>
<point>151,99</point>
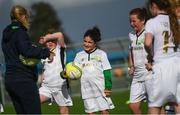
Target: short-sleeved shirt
<point>159,27</point>
<point>139,55</point>
<point>92,64</point>
<point>52,70</point>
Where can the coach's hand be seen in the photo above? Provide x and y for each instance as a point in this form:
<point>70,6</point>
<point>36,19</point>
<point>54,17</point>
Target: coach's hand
<point>51,57</point>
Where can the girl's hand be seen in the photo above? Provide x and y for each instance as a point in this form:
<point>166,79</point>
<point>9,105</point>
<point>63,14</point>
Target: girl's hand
<point>148,66</point>
<point>131,71</point>
<point>107,93</point>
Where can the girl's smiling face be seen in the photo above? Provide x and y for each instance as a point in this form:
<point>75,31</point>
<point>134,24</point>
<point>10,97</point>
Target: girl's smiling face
<point>88,44</point>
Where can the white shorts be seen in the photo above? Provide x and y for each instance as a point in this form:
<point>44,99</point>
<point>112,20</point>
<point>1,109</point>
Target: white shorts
<point>98,104</point>
<point>164,82</point>
<point>178,91</point>
<point>178,87</point>
<point>139,90</point>
<point>61,96</point>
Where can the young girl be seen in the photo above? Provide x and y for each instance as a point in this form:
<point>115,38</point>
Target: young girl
<point>161,41</point>
<point>96,82</point>
<point>53,86</point>
<point>141,76</point>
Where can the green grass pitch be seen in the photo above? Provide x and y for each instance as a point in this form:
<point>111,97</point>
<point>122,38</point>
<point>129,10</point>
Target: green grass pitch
<point>119,99</point>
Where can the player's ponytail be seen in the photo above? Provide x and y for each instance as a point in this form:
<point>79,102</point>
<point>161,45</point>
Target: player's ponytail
<point>17,12</point>
<point>174,20</point>
<point>94,33</point>
<point>174,26</point>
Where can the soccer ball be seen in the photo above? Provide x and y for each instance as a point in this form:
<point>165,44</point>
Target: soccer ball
<point>29,61</point>
<point>73,71</point>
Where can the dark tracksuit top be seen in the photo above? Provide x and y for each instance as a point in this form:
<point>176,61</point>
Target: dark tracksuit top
<point>16,42</point>
<point>20,80</point>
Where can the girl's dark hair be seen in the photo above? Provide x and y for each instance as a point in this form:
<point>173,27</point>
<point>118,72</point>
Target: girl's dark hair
<point>50,31</point>
<point>162,4</point>
<point>174,25</point>
<point>94,33</point>
<point>141,13</point>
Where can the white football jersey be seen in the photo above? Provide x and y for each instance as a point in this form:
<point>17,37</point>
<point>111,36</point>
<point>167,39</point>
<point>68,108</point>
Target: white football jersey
<point>52,70</point>
<point>139,55</point>
<point>138,50</point>
<point>159,27</point>
<point>92,80</point>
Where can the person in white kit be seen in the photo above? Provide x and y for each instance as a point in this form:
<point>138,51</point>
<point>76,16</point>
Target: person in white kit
<point>53,86</point>
<point>161,41</point>
<point>176,8</point>
<point>96,81</point>
<point>137,60</point>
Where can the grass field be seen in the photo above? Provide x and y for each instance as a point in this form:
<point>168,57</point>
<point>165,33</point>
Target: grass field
<point>119,100</point>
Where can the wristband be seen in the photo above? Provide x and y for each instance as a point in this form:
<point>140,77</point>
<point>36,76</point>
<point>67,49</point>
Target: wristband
<point>107,91</point>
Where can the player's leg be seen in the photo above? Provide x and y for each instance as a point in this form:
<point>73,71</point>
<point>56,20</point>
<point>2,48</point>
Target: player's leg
<point>43,98</point>
<point>154,110</point>
<point>104,112</point>
<point>161,91</point>
<point>155,101</point>
<point>137,94</point>
<point>64,110</point>
<point>63,99</point>
<point>162,111</point>
<point>90,106</point>
<point>104,104</point>
<point>135,107</point>
<point>91,113</point>
<point>148,86</point>
<point>177,108</point>
<point>45,94</point>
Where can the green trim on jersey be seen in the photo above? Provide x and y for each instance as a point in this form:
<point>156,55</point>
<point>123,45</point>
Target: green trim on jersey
<point>108,82</point>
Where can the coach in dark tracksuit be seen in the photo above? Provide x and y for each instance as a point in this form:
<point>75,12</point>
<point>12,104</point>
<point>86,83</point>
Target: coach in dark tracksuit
<point>20,79</point>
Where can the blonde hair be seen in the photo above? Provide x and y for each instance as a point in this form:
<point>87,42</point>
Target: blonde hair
<point>166,5</point>
<point>174,23</point>
<point>17,12</point>
<point>174,3</point>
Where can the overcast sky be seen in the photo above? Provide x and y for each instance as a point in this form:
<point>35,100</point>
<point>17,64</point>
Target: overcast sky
<point>78,15</point>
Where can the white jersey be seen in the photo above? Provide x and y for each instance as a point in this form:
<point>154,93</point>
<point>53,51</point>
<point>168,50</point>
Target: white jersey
<point>52,70</point>
<point>139,55</point>
<point>165,83</point>
<point>159,27</point>
<point>92,65</point>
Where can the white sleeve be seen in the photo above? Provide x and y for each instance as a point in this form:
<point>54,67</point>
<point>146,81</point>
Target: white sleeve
<point>77,60</point>
<point>130,40</point>
<point>149,27</point>
<point>105,62</point>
